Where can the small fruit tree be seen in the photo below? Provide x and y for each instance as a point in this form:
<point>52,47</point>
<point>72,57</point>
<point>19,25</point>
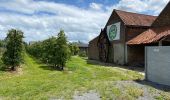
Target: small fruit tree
<point>54,51</point>
<point>12,57</point>
<point>63,51</point>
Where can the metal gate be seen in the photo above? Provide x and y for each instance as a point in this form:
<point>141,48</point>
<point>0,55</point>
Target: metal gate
<point>157,64</point>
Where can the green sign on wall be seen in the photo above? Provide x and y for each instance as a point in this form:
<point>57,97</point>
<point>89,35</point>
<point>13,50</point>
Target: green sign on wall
<point>113,31</point>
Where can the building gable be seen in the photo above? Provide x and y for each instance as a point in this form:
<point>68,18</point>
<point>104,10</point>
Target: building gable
<point>114,18</point>
<point>131,19</point>
<point>164,17</point>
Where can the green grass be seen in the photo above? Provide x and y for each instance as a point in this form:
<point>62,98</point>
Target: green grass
<point>163,96</point>
<point>1,63</point>
<point>134,92</point>
<point>37,81</point>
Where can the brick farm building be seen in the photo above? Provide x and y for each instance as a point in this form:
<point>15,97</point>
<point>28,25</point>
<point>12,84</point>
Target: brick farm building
<point>126,34</point>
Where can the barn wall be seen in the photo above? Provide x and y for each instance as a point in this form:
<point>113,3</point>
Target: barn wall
<point>132,32</point>
<point>115,19</point>
<point>117,48</point>
<point>93,52</point>
<point>164,18</point>
<point>119,54</point>
<point>111,54</point>
<point>136,54</point>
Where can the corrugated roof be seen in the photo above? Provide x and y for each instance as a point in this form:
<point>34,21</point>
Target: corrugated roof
<point>135,19</point>
<point>150,36</point>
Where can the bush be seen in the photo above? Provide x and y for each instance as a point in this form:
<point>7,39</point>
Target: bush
<point>82,54</point>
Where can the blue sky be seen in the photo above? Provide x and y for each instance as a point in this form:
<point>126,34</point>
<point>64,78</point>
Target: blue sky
<point>82,20</point>
<point>84,3</point>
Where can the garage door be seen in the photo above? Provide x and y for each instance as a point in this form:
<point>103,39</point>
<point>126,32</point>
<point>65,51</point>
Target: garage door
<point>157,64</point>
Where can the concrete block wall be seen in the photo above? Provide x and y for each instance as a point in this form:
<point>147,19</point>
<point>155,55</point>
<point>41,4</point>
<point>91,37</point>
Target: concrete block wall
<point>158,64</point>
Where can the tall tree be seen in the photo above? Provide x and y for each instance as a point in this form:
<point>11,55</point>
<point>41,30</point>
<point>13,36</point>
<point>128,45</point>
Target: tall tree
<point>63,51</point>
<point>12,57</point>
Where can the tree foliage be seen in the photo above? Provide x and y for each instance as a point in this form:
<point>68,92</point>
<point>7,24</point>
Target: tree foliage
<point>12,57</point>
<point>54,51</point>
<point>2,43</point>
<point>35,49</point>
<point>74,48</point>
<point>63,51</point>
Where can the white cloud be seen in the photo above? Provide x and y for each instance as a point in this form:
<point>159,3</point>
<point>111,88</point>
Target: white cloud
<point>79,24</point>
<point>96,6</point>
<point>152,7</point>
<point>76,22</point>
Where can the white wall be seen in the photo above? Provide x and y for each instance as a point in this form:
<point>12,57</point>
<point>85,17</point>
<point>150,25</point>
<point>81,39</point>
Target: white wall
<point>157,64</point>
<point>119,53</point>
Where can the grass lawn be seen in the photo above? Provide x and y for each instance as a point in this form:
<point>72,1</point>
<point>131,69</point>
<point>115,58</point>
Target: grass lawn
<point>38,81</point>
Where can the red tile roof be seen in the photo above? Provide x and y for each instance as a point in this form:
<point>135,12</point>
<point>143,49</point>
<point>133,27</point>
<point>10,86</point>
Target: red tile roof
<point>135,19</point>
<point>150,36</point>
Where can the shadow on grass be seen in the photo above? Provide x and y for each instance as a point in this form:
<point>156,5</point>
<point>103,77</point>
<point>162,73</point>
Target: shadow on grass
<point>36,60</point>
<point>51,68</point>
<point>154,85</point>
<point>3,68</point>
<point>95,62</point>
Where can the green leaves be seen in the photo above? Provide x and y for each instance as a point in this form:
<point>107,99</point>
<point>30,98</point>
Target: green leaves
<point>2,43</point>
<point>74,48</point>
<point>63,50</point>
<point>54,51</point>
<point>14,46</point>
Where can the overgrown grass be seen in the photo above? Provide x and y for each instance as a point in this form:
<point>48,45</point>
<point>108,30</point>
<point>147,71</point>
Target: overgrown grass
<point>1,63</point>
<point>163,96</point>
<point>37,81</point>
<point>134,92</point>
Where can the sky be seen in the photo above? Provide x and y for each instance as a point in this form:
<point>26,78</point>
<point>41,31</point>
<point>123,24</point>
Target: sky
<point>81,20</point>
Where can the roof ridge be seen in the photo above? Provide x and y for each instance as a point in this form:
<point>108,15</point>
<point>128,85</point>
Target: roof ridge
<point>135,13</point>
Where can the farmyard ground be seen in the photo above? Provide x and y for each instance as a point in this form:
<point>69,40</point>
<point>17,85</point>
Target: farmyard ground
<point>80,80</point>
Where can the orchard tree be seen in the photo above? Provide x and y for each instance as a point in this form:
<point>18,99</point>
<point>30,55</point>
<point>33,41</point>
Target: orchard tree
<point>63,51</point>
<point>74,48</point>
<point>37,49</point>
<point>50,51</point>
<point>1,43</point>
<point>12,57</point>
<point>54,51</point>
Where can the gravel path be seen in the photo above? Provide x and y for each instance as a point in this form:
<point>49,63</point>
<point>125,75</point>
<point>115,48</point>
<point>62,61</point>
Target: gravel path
<point>150,91</point>
<point>91,95</point>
